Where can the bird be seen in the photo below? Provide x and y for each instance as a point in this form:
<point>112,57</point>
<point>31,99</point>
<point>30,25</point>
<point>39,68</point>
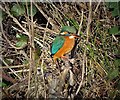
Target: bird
<point>64,42</point>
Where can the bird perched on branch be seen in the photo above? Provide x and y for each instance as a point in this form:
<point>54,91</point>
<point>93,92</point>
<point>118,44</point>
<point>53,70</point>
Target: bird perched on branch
<point>63,43</point>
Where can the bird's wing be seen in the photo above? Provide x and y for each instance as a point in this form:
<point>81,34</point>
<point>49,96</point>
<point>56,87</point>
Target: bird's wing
<point>57,44</point>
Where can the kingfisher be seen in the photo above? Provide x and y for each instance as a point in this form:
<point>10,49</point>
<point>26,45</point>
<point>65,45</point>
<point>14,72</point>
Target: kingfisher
<point>64,42</point>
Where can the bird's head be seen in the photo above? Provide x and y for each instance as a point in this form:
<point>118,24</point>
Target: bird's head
<point>69,31</point>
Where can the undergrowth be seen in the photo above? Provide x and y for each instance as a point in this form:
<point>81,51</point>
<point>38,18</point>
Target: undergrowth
<point>28,70</point>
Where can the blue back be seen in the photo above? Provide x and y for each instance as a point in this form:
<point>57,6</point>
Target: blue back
<point>57,44</point>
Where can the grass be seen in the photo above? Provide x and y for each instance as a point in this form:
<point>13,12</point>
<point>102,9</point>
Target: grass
<point>30,69</point>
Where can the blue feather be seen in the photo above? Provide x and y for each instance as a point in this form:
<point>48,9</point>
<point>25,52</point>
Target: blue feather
<point>57,44</point>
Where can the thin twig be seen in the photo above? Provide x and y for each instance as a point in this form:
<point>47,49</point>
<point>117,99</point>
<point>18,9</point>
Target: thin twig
<point>44,37</point>
<point>15,20</point>
<point>10,68</point>
<point>84,56</point>
<point>9,42</point>
<point>42,28</point>
<point>32,53</point>
<point>97,6</point>
<point>89,21</point>
<point>51,21</point>
<point>20,71</point>
<point>18,66</point>
<point>16,85</point>
<point>83,71</point>
<point>80,26</point>
<point>8,78</point>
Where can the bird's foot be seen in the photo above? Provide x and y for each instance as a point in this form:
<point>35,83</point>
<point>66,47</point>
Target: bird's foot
<point>64,57</point>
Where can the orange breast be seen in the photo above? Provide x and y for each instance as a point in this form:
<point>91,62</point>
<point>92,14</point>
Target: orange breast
<point>67,47</point>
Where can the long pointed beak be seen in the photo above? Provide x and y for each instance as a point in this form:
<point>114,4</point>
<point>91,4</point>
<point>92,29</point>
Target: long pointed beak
<point>76,36</point>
